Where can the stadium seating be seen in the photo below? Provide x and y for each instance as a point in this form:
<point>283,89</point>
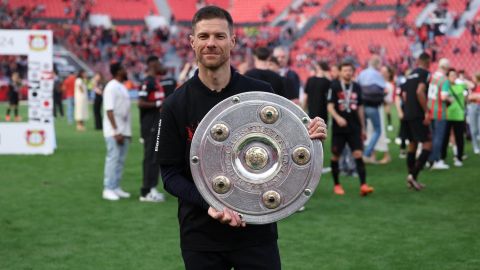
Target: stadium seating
<point>126,9</point>
<point>52,8</point>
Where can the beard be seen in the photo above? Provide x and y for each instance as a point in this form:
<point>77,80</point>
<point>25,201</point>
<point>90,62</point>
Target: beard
<point>212,64</point>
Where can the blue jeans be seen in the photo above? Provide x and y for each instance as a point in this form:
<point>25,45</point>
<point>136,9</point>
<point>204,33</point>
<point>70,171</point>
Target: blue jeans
<point>70,105</point>
<point>439,127</point>
<point>373,113</point>
<point>114,162</point>
<point>474,122</point>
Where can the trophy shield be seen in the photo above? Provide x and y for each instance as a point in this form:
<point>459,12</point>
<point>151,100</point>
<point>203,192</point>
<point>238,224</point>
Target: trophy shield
<point>252,153</point>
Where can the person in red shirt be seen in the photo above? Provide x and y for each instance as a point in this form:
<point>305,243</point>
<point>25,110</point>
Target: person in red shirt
<point>68,88</point>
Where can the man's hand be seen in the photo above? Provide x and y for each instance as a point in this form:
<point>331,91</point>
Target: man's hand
<point>400,115</point>
<point>227,216</point>
<point>341,121</point>
<point>119,138</point>
<point>317,129</point>
<point>427,120</point>
<point>364,135</point>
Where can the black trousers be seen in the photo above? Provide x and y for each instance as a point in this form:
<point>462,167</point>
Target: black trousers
<point>57,103</point>
<point>97,111</point>
<point>458,128</point>
<point>252,258</point>
<point>151,170</point>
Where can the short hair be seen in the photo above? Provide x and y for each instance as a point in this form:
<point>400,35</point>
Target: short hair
<point>212,12</point>
<point>451,70</point>
<point>262,53</point>
<point>444,63</point>
<point>152,58</point>
<point>324,66</point>
<point>424,57</point>
<point>274,60</point>
<point>375,61</point>
<point>115,68</point>
<point>346,64</point>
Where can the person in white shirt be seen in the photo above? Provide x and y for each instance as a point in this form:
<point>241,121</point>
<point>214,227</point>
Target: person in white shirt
<point>81,100</point>
<point>117,130</point>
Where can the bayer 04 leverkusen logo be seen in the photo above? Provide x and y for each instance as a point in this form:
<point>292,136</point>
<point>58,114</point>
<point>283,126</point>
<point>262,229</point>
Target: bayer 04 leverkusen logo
<point>37,42</point>
<point>35,137</point>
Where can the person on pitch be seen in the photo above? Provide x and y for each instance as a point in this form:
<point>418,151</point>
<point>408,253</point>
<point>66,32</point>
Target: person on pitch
<point>417,119</point>
<point>212,238</point>
<point>346,108</point>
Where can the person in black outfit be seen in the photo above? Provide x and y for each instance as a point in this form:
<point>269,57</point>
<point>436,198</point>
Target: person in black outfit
<point>97,86</point>
<point>262,73</point>
<point>316,92</point>
<point>14,96</point>
<point>283,56</point>
<point>346,107</point>
<point>417,121</point>
<point>168,83</point>
<point>289,84</point>
<point>212,238</point>
<point>151,97</point>
<point>57,94</point>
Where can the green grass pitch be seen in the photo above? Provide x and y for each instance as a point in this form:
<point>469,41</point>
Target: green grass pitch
<point>52,216</point>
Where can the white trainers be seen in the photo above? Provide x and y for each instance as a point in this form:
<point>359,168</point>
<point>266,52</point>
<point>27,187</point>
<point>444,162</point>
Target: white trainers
<point>153,196</point>
<point>440,165</point>
<point>476,151</point>
<point>457,162</point>
<point>390,128</point>
<point>121,193</point>
<point>110,195</point>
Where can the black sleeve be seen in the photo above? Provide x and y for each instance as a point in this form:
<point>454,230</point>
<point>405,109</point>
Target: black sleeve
<point>359,94</point>
<point>147,87</point>
<point>170,145</point>
<point>308,86</point>
<point>332,95</point>
<point>424,77</point>
<point>177,185</point>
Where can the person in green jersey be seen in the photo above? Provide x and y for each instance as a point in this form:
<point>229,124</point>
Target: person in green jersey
<point>455,118</point>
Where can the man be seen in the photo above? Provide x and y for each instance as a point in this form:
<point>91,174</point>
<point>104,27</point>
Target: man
<point>439,99</point>
<point>417,120</point>
<point>57,94</point>
<point>282,55</point>
<point>274,66</point>
<point>150,100</point>
<point>261,72</point>
<point>68,92</point>
<point>212,238</point>
<point>346,107</point>
<point>117,130</point>
<point>316,92</point>
<point>14,96</point>
<point>373,87</point>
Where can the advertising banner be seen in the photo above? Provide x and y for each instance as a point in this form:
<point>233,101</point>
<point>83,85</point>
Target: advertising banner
<point>37,136</point>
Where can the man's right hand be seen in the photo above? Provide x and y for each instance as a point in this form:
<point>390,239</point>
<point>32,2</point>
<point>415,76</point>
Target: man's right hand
<point>427,120</point>
<point>227,216</point>
<point>119,138</point>
<point>341,121</point>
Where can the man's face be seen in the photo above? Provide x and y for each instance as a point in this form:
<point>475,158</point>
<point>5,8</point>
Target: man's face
<point>334,72</point>
<point>281,56</point>
<point>212,43</point>
<point>346,72</point>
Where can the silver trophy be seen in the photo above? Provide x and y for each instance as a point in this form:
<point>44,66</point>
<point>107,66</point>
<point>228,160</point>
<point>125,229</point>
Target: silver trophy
<point>252,153</point>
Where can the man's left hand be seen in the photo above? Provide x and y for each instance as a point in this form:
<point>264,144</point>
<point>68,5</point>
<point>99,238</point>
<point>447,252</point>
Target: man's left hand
<point>317,129</point>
